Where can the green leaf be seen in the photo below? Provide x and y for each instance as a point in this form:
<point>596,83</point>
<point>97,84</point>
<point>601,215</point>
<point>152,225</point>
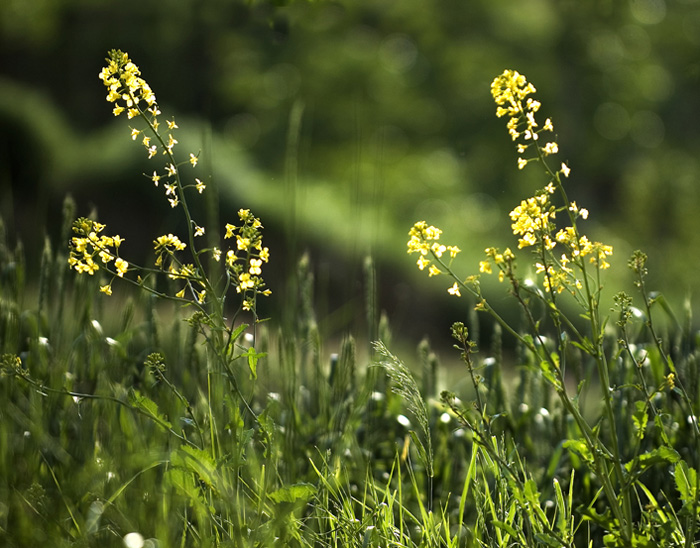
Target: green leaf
<point>640,419</point>
<point>183,482</point>
<point>299,492</point>
<point>198,462</point>
<point>561,507</point>
<point>547,540</point>
<point>660,455</point>
<point>419,445</point>
<point>686,478</point>
<point>253,358</point>
<point>507,528</point>
<point>549,372</point>
<point>149,407</point>
<point>586,345</point>
<point>580,448</point>
<point>238,331</point>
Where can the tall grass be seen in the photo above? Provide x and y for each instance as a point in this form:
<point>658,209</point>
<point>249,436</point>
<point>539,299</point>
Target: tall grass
<point>149,420</point>
<point>107,417</point>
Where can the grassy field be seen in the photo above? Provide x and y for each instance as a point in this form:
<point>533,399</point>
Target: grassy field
<point>170,414</point>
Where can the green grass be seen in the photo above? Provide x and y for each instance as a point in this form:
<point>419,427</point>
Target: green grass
<point>109,425</point>
<point>171,415</point>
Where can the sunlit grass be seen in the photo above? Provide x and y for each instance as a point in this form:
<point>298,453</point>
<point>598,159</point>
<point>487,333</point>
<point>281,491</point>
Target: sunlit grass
<point>170,414</point>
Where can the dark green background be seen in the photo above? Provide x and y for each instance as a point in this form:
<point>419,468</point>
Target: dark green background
<point>342,123</point>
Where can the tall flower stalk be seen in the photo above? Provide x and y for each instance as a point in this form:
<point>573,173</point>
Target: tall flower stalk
<point>567,263</point>
<point>237,271</point>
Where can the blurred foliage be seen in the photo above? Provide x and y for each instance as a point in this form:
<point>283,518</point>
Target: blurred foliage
<point>342,123</point>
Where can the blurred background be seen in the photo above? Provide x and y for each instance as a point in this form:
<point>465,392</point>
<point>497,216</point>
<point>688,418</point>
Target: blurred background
<point>341,123</point>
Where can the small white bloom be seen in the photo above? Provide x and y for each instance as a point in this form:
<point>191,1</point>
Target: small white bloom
<point>133,540</point>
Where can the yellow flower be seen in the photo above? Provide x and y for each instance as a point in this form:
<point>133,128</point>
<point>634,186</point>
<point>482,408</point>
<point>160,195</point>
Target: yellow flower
<point>134,133</point>
<point>180,294</point>
<point>171,124</point>
<point>242,243</point>
<point>422,262</point>
<point>106,256</point>
<point>510,89</point>
<point>485,267</point>
<point>244,282</point>
<point>216,253</point>
<point>166,243</point>
<point>171,143</point>
<point>420,235</point>
<point>433,271</point>
<point>550,148</point>
<point>106,289</point>
<point>671,381</point>
<point>255,265</point>
<point>432,233</point>
<point>198,230</point>
<point>193,160</point>
<point>438,249</point>
<point>121,265</point>
<point>155,178</point>
<point>565,169</point>
<point>199,185</point>
<point>510,92</point>
<point>454,290</point>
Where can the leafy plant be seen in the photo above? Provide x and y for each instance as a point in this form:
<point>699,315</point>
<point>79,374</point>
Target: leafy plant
<point>570,268</point>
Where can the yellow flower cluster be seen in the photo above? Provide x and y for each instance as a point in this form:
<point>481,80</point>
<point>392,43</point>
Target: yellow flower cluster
<point>131,94</point>
<point>167,245</point>
<point>531,220</point>
<point>87,245</point>
<point>91,251</point>
<point>510,91</point>
<point>244,264</point>
<point>581,246</point>
<point>424,240</point>
<point>124,82</point>
<point>503,261</point>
